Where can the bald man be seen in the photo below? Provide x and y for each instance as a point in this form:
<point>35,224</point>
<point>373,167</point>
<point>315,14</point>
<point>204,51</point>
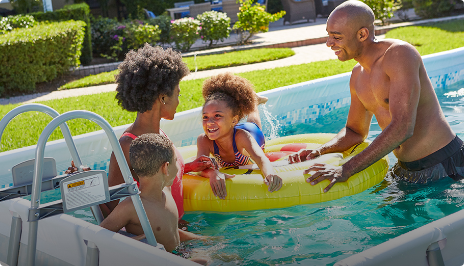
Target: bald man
<point>390,82</point>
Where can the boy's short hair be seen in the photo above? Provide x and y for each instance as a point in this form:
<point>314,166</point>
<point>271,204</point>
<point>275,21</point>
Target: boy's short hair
<point>148,152</point>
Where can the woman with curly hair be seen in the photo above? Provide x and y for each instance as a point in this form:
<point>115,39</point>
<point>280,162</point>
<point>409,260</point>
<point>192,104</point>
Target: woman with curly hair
<point>228,99</point>
<point>148,83</point>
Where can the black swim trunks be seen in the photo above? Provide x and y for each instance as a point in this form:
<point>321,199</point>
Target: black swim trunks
<point>448,161</point>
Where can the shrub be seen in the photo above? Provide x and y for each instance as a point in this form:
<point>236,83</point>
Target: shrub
<point>432,8</point>
<point>253,19</point>
<point>184,33</point>
<point>72,12</point>
<point>113,39</point>
<point>383,9</point>
<point>102,37</point>
<point>38,54</point>
<point>214,26</point>
<point>164,24</point>
<point>139,34</point>
<point>13,22</point>
<point>26,6</point>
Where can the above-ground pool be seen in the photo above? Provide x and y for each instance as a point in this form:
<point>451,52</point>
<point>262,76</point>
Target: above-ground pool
<point>315,234</point>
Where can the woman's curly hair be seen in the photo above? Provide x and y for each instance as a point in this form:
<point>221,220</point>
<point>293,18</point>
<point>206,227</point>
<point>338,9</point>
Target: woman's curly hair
<point>237,92</point>
<point>145,74</point>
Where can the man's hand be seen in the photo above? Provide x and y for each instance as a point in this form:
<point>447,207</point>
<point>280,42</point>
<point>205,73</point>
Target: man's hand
<point>218,184</point>
<point>303,155</point>
<point>274,182</point>
<point>322,171</point>
<point>201,163</point>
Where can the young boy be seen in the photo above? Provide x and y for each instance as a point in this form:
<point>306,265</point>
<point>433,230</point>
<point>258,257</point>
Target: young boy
<point>154,161</point>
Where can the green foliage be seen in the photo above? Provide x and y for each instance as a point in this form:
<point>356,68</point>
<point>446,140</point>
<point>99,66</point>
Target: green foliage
<point>432,8</point>
<point>139,34</point>
<point>113,39</point>
<point>13,22</point>
<point>383,9</point>
<point>32,55</point>
<point>214,26</point>
<point>184,33</point>
<point>253,19</point>
<point>164,24</point>
<point>26,6</point>
<point>102,34</point>
<point>72,12</point>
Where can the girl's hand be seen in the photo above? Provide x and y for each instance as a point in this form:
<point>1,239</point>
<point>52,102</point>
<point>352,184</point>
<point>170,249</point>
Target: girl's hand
<point>274,182</point>
<point>199,164</point>
<point>303,155</point>
<point>218,184</point>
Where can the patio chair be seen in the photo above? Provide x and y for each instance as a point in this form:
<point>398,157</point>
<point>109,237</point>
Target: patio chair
<point>198,9</point>
<point>231,8</point>
<point>299,10</point>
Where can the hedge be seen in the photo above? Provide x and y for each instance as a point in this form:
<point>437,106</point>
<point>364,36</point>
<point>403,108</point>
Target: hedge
<point>38,54</point>
<point>72,12</point>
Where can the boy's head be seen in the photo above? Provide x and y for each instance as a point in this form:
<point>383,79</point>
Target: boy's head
<point>151,153</point>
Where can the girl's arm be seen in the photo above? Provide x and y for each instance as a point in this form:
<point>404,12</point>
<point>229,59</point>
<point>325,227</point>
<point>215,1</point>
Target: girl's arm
<point>217,180</point>
<point>245,139</point>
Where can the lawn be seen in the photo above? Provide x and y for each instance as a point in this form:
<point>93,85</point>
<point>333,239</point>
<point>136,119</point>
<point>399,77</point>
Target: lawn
<point>428,39</point>
<point>198,63</point>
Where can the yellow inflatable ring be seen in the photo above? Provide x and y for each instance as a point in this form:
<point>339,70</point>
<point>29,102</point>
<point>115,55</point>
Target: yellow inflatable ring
<point>247,191</point>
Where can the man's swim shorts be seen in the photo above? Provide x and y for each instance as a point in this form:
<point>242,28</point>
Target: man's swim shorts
<point>448,161</point>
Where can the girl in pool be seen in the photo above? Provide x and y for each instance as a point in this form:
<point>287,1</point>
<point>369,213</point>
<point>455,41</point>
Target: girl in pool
<point>148,83</point>
<point>228,99</point>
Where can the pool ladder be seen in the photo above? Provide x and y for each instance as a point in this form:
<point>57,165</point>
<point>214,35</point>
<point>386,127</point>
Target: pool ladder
<point>23,186</point>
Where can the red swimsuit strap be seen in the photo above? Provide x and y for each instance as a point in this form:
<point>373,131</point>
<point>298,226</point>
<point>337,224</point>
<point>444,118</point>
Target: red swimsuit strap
<point>128,134</point>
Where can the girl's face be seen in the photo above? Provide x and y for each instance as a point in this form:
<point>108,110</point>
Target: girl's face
<point>170,104</point>
<point>218,120</point>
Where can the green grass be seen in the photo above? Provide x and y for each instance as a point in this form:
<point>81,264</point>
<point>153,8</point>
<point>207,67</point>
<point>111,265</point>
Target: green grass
<point>20,133</point>
<point>26,128</point>
<point>429,39</point>
<point>203,62</point>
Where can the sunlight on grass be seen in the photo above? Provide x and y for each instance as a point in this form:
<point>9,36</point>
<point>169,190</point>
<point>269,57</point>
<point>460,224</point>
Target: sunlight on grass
<point>200,63</point>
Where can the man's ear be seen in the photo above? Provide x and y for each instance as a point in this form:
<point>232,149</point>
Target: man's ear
<point>165,168</point>
<point>362,34</point>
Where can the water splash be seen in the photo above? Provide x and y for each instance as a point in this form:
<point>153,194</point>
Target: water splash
<point>271,123</point>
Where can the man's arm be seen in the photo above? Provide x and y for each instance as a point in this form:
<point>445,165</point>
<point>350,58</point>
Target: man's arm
<point>402,67</point>
<point>355,131</point>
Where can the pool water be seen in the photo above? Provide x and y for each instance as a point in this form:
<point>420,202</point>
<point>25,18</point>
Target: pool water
<point>325,233</point>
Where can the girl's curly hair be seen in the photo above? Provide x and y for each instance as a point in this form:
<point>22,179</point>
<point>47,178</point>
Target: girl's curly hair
<point>237,92</point>
<point>145,74</point>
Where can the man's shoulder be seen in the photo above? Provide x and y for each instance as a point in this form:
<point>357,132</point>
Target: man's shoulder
<point>398,49</point>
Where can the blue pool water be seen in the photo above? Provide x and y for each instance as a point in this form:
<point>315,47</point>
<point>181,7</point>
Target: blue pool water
<point>324,233</point>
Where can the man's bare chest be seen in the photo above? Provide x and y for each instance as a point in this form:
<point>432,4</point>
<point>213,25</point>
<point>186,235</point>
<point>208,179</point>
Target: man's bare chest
<point>373,89</point>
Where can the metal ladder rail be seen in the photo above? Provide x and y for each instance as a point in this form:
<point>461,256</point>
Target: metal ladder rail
<point>36,183</point>
<point>65,131</point>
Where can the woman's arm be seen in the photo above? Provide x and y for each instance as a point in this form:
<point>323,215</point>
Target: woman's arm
<point>115,176</point>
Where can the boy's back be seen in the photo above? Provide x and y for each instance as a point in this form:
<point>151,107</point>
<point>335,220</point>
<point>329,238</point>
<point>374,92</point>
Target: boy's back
<point>162,215</point>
